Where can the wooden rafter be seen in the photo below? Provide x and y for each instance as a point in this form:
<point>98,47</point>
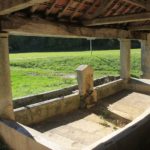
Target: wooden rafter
<point>118,19</point>
<point>40,7</point>
<point>137,3</point>
<point>40,27</point>
<point>76,11</point>
<point>128,9</point>
<point>122,7</point>
<point>87,14</point>
<point>114,7</point>
<point>65,9</point>
<point>134,9</point>
<point>48,11</point>
<point>10,6</point>
<point>148,5</point>
<point>105,4</point>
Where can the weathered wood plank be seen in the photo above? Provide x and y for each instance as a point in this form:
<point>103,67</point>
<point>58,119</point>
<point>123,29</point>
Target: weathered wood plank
<point>140,28</point>
<point>77,9</point>
<point>64,10</point>
<point>48,11</point>
<point>148,5</point>
<point>138,3</point>
<point>40,27</point>
<point>104,5</point>
<point>118,19</point>
<point>10,6</point>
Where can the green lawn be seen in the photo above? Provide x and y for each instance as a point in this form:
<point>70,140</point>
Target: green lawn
<point>34,73</point>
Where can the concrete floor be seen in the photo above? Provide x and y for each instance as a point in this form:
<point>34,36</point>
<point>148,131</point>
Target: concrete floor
<point>83,127</point>
<point>127,104</point>
<point>76,131</point>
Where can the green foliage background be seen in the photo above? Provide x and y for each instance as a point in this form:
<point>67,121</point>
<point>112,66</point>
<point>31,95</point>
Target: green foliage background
<point>44,44</point>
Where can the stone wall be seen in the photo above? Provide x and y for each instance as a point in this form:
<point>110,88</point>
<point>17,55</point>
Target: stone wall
<point>22,102</point>
<point>134,136</point>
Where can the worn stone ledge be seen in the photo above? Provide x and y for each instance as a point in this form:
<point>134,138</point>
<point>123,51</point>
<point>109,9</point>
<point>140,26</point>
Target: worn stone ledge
<point>24,101</point>
<point>110,88</point>
<point>133,136</point>
<point>20,137</point>
<point>139,85</point>
<point>41,111</point>
<point>31,99</point>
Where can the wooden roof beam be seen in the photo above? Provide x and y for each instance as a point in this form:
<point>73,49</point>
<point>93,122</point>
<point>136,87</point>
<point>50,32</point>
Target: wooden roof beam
<point>10,6</point>
<point>39,27</point>
<point>118,19</point>
<point>140,28</point>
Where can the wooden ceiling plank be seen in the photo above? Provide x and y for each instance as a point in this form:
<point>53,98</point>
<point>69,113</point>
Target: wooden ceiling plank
<point>118,19</point>
<point>140,28</point>
<point>128,9</point>
<point>78,8</point>
<point>65,9</point>
<point>87,14</point>
<point>105,4</point>
<point>120,10</point>
<point>10,6</point>
<point>137,3</point>
<point>114,7</point>
<point>148,5</point>
<point>48,11</point>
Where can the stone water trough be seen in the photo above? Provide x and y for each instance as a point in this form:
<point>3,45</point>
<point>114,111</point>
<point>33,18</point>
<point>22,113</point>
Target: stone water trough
<point>110,113</point>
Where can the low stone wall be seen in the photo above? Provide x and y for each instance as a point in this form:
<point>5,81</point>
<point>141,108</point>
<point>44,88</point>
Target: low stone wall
<point>24,101</point>
<point>41,111</point>
<point>134,136</point>
<point>139,85</point>
<point>110,88</point>
<point>20,137</point>
<point>28,100</point>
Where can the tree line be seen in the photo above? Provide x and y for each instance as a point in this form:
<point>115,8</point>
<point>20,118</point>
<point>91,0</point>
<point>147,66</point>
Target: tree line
<point>45,44</point>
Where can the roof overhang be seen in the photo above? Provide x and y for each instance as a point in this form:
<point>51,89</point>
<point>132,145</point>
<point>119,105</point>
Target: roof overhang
<point>71,18</point>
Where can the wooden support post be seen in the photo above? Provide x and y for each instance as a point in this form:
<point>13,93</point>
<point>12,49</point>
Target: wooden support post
<point>145,58</point>
<point>125,46</point>
<point>148,5</point>
<point>6,106</point>
<point>85,82</point>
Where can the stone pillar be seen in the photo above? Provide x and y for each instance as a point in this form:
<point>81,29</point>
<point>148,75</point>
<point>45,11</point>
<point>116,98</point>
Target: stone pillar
<point>6,106</point>
<point>85,82</point>
<point>125,46</point>
<point>145,58</point>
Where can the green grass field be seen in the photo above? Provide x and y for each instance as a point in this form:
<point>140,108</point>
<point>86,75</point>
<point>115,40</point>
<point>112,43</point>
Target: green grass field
<point>34,73</point>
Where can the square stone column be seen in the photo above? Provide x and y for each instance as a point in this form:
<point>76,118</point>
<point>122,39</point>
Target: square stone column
<point>6,105</point>
<point>125,46</point>
<point>87,93</point>
<point>145,57</point>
